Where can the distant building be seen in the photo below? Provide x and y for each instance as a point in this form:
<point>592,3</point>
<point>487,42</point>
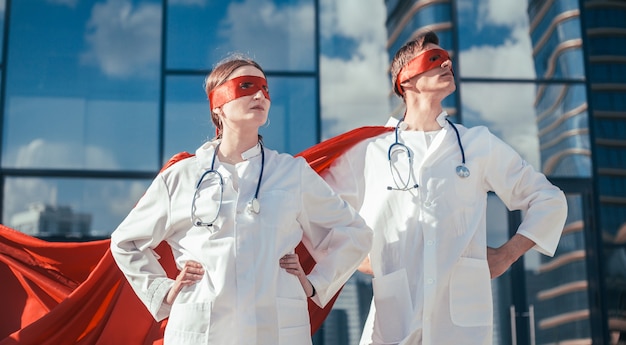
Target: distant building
<point>52,221</point>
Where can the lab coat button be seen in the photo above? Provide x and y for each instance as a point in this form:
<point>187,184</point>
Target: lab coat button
<point>427,203</point>
<point>430,281</point>
<point>430,242</point>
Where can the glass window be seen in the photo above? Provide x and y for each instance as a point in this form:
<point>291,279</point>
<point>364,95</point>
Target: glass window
<point>278,34</point>
<point>187,115</point>
<point>510,114</point>
<point>354,81</point>
<point>404,24</point>
<point>292,126</point>
<point>84,95</point>
<point>546,124</point>
<point>493,40</point>
<point>557,287</point>
<point>69,207</point>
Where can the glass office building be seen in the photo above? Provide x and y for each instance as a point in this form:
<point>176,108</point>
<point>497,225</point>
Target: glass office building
<point>95,95</point>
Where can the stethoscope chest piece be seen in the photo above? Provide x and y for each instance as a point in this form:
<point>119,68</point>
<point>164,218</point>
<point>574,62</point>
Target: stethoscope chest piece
<point>462,171</point>
<point>254,206</point>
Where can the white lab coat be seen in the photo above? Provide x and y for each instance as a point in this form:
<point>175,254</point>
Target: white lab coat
<point>244,296</point>
<point>431,278</point>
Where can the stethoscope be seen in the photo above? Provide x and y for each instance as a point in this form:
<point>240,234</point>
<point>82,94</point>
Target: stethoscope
<point>253,205</point>
<point>461,170</point>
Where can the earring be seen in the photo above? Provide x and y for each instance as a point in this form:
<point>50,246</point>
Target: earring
<point>267,122</point>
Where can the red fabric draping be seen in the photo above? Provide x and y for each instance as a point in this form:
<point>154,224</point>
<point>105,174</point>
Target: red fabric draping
<point>56,293</point>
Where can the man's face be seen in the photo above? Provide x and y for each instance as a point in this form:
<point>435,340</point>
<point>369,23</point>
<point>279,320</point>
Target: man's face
<point>433,69</point>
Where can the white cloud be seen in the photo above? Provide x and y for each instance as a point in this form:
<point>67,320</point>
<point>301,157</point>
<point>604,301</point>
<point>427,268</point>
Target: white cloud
<point>504,12</point>
<point>354,90</point>
<point>358,19</point>
<point>124,40</point>
<point>513,59</point>
<point>23,192</point>
<point>245,19</point>
<point>508,111</point>
<point>40,153</point>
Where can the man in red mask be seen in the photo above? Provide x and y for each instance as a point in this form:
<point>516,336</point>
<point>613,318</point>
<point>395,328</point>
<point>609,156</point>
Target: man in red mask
<point>422,187</point>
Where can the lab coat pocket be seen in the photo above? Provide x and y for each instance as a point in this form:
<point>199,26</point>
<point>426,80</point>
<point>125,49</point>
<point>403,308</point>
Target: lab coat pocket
<point>393,307</point>
<point>188,323</point>
<point>470,293</point>
<point>465,188</point>
<point>293,321</point>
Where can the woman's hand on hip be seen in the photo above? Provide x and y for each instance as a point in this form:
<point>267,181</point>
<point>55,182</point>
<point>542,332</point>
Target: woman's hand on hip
<point>291,264</point>
<point>191,273</point>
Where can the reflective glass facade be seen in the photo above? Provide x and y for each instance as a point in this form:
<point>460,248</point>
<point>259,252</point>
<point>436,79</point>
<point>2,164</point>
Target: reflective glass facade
<point>95,95</point>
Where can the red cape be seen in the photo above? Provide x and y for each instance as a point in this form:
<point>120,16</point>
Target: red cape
<point>73,293</point>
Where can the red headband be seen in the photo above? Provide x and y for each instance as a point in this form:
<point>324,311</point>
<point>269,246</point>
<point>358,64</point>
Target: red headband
<point>426,61</point>
<point>238,87</point>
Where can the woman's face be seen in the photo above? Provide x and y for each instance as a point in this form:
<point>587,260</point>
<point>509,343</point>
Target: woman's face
<point>246,111</point>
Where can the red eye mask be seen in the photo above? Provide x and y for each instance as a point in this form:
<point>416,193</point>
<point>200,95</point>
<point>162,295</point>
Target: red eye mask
<point>238,87</point>
<point>426,61</point>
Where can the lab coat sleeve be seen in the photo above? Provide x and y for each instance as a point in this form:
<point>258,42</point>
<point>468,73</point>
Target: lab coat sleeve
<point>335,235</point>
<point>133,244</point>
<point>520,187</point>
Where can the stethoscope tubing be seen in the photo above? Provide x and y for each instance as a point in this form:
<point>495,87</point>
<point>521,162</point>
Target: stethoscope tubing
<point>461,170</point>
<point>253,205</point>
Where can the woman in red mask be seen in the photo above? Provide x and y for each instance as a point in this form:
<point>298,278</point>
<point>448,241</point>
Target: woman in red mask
<point>233,214</point>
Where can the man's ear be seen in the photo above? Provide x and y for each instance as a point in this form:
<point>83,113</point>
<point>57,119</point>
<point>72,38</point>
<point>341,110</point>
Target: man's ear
<point>408,84</point>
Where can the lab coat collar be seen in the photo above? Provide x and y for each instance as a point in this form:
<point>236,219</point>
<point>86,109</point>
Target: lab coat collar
<point>441,120</point>
<point>205,152</point>
<point>252,152</point>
